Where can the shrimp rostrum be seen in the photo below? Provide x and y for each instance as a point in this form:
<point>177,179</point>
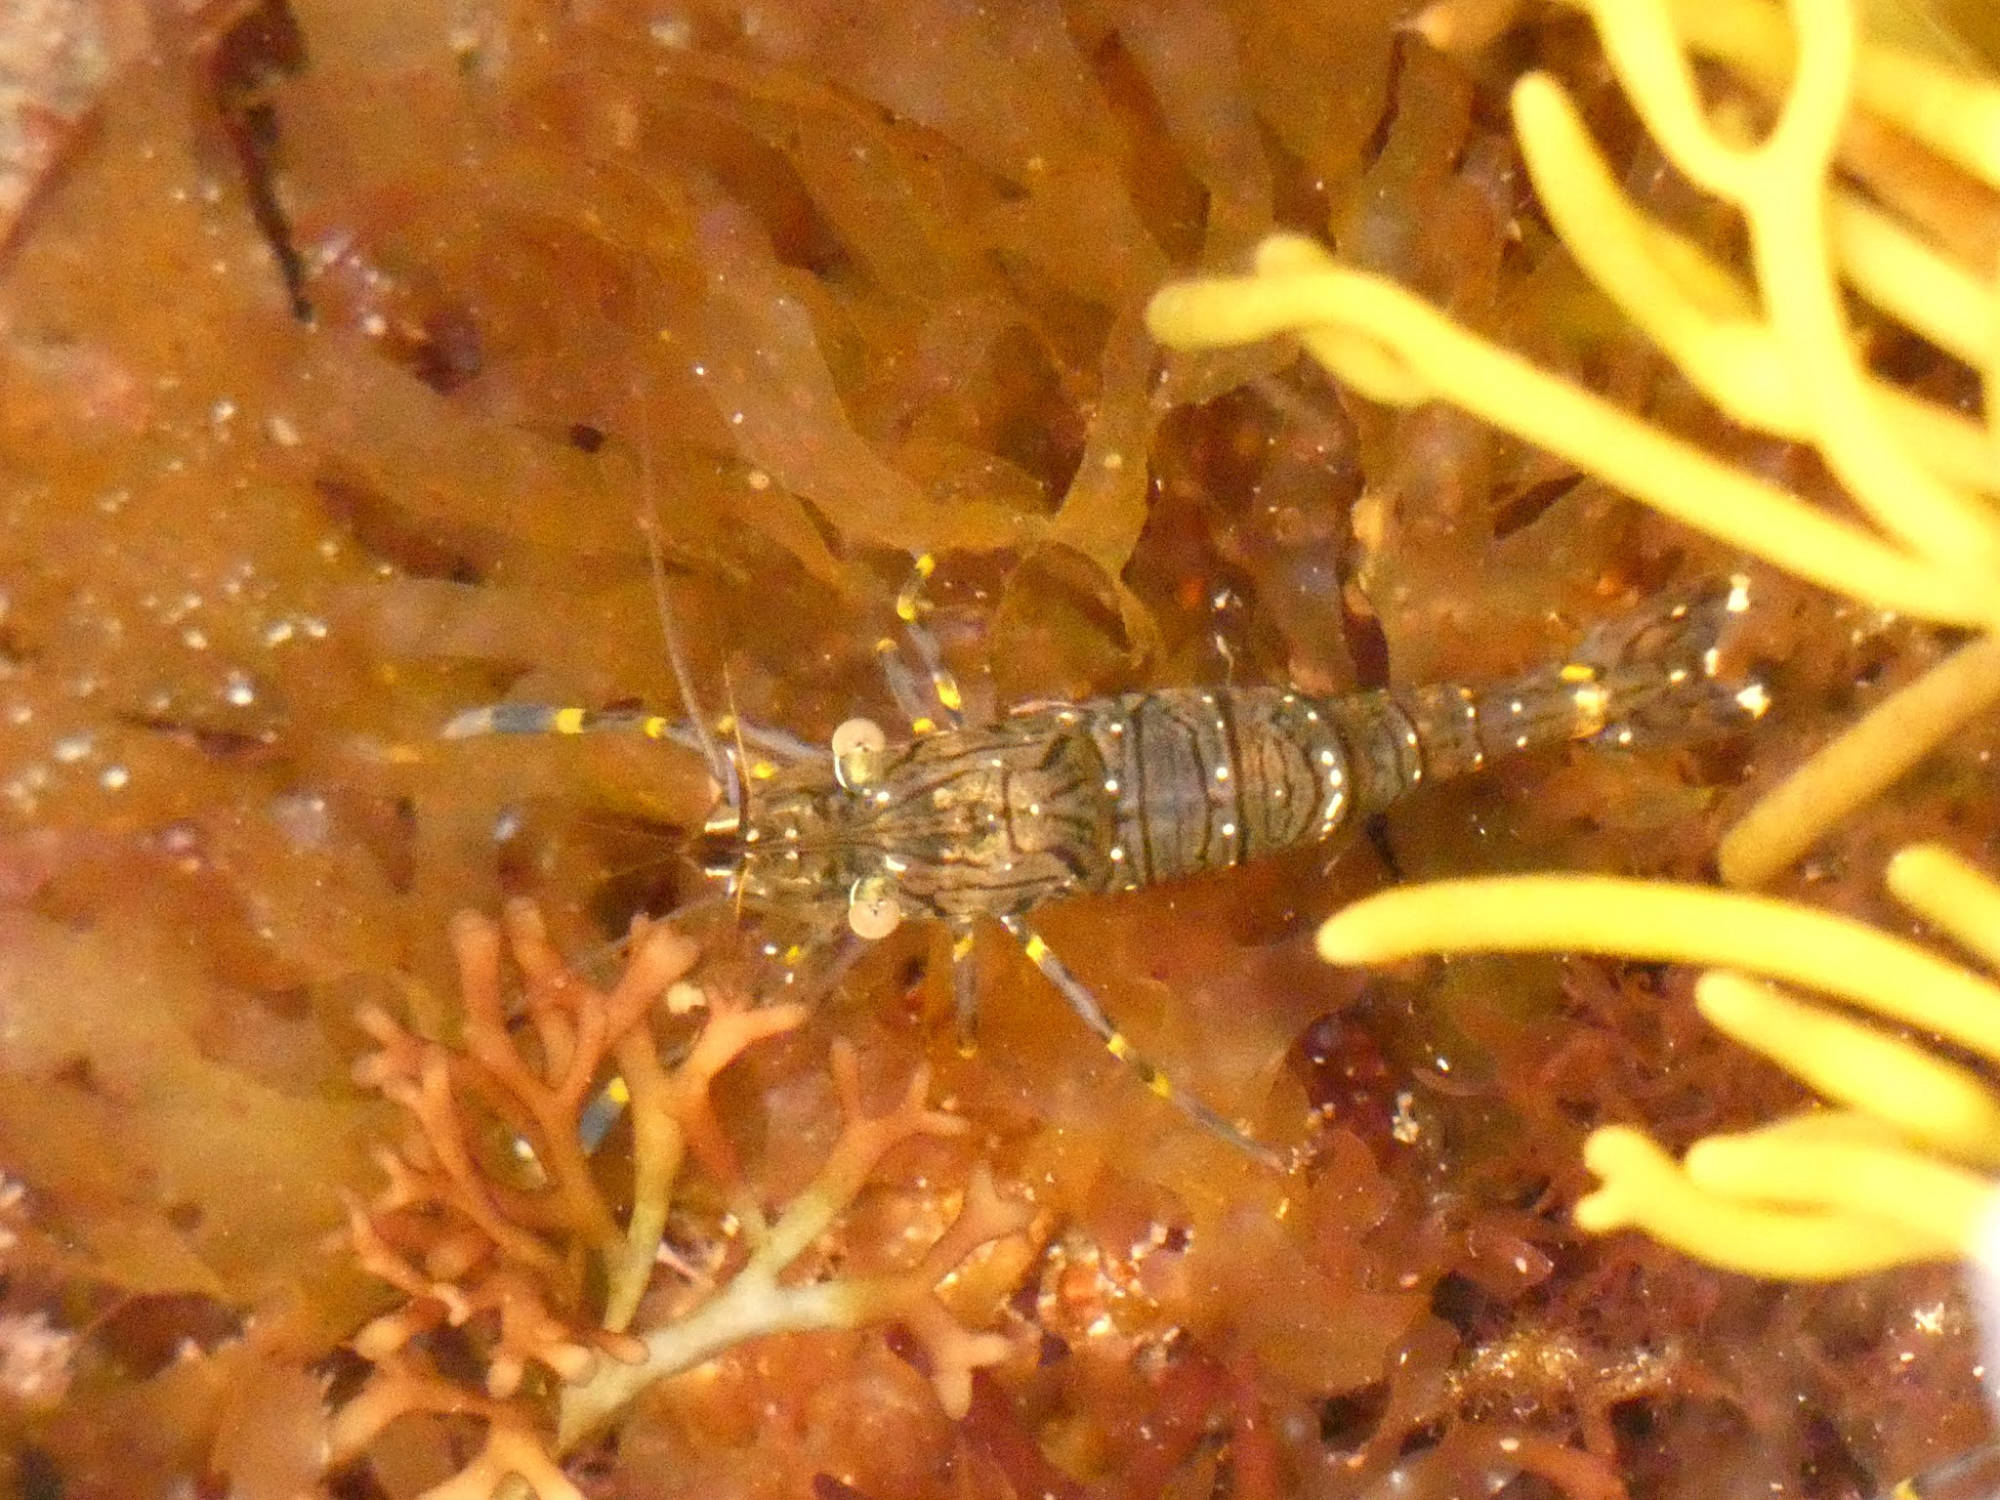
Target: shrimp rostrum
<point>990,822</point>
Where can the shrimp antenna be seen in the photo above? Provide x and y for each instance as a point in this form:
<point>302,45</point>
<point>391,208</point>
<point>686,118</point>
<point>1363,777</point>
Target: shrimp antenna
<point>742,759</point>
<point>720,766</point>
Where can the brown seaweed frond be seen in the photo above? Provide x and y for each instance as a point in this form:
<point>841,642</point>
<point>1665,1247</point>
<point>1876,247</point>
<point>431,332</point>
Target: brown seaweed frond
<point>495,1226</point>
<point>37,1355</point>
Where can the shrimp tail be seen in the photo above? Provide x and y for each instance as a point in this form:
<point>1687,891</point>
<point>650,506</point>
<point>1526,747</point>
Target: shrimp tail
<point>1664,675</point>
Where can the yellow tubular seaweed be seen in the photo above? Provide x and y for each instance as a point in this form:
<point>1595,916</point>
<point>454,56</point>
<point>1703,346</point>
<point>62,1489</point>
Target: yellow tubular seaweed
<point>1850,1126</point>
<point>1912,281</point>
<point>1644,1188</point>
<point>1956,115</point>
<point>1861,763</point>
<point>1709,324</point>
<point>1780,184</point>
<point>1781,187</point>
<point>1943,889</point>
<point>1957,448</point>
<point>1665,923</point>
<point>1923,1097</point>
<point>1640,38</point>
<point>1895,1177</point>
<point>1432,356</point>
<point>1937,1203</point>
<point>1780,357</point>
<point>1899,1173</point>
<point>1698,313</point>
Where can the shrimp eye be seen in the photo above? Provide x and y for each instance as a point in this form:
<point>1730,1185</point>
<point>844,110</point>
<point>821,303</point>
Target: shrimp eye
<point>857,752</point>
<point>872,909</point>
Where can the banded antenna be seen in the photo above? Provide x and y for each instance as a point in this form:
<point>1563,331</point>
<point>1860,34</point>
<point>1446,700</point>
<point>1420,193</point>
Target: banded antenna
<point>523,718</point>
<point>722,766</point>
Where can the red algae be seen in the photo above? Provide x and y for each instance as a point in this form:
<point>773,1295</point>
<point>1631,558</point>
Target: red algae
<point>344,348</point>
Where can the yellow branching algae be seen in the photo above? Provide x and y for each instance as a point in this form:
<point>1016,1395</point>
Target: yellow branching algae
<point>1898,1174</point>
<point>1823,141</point>
<point>1778,354</point>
